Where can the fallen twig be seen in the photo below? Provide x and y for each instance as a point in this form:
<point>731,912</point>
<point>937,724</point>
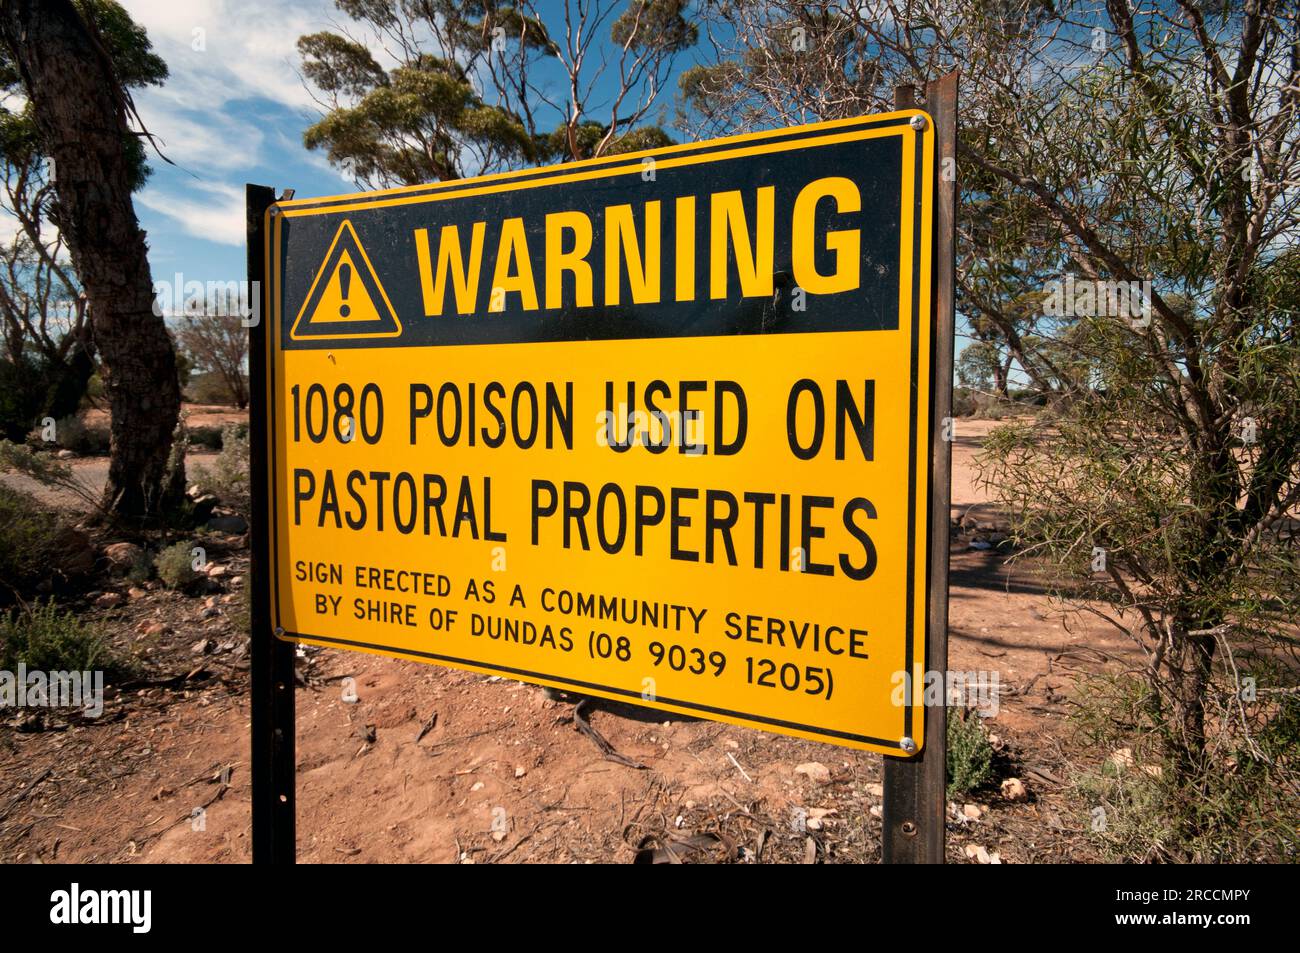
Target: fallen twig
<point>427,727</point>
<point>607,749</point>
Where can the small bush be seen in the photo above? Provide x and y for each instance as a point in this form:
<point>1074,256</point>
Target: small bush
<point>72,433</point>
<point>175,565</point>
<point>206,436</point>
<point>991,407</point>
<point>141,570</point>
<point>34,543</point>
<point>47,470</point>
<point>47,639</point>
<point>1238,808</point>
<point>227,478</point>
<point>241,610</point>
<point>22,392</point>
<point>209,388</point>
<point>970,755</point>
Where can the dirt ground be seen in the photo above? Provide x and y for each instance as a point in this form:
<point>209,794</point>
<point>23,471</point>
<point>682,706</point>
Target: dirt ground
<point>92,472</point>
<point>399,761</point>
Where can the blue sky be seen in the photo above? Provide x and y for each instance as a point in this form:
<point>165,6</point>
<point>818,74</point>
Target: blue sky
<point>232,112</point>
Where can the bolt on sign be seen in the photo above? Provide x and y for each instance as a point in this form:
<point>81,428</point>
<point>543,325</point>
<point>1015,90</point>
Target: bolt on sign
<point>651,427</point>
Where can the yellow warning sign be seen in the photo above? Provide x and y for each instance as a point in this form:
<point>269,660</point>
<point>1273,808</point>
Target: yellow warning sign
<point>664,440</point>
<point>346,299</point>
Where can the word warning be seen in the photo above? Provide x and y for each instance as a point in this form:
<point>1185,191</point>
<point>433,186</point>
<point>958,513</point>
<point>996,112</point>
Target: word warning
<point>653,427</point>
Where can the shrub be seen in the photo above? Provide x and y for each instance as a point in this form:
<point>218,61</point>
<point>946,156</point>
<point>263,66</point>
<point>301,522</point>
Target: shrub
<point>175,565</point>
<point>210,387</point>
<point>34,387</point>
<point>206,436</point>
<point>970,755</point>
<point>34,543</point>
<point>47,470</point>
<point>992,407</point>
<point>72,433</point>
<point>1239,808</point>
<point>22,392</point>
<point>141,570</point>
<point>45,638</point>
<point>227,478</point>
<point>963,402</point>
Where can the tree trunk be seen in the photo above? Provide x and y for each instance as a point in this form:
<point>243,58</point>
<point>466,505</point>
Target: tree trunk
<point>1001,372</point>
<point>81,112</point>
<point>1191,662</point>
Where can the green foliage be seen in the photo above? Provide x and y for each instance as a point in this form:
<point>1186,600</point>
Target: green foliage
<point>481,88</point>
<point>141,570</point>
<point>45,469</point>
<point>1239,808</point>
<point>240,612</point>
<point>970,755</point>
<point>655,23</point>
<point>134,62</point>
<point>21,396</point>
<point>407,125</point>
<point>978,364</point>
<point>34,387</point>
<point>206,436</point>
<point>227,478</point>
<point>588,136</point>
<point>175,565</point>
<point>210,387</point>
<point>34,543</point>
<point>73,433</point>
<point>48,639</point>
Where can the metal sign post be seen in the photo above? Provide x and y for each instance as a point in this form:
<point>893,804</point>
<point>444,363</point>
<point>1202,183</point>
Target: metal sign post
<point>271,659</point>
<point>915,798</point>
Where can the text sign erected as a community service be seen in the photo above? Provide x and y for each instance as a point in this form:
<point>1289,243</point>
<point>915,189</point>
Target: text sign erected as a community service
<point>652,427</point>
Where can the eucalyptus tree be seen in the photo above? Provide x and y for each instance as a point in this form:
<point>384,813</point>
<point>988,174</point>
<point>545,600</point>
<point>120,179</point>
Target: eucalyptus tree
<point>1135,169</point>
<point>416,91</point>
<point>76,147</point>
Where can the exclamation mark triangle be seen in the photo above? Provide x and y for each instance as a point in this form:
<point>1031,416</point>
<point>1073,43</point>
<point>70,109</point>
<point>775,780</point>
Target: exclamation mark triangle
<point>346,299</point>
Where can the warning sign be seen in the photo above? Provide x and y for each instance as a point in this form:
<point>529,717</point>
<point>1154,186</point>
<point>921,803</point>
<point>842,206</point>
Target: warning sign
<point>652,427</point>
<point>346,301</point>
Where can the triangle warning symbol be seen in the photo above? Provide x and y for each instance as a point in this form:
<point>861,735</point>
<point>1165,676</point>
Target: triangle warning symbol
<point>346,299</point>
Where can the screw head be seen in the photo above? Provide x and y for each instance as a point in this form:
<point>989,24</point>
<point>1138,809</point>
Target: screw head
<point>279,630</point>
<point>917,123</point>
<point>907,744</point>
<point>274,210</point>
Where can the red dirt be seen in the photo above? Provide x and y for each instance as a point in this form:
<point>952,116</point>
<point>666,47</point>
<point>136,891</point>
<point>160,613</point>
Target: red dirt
<point>125,787</point>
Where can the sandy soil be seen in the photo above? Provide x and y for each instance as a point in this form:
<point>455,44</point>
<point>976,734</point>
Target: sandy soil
<point>92,472</point>
<point>503,775</point>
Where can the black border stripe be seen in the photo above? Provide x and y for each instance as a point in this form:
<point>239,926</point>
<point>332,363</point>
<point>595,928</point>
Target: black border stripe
<point>909,627</point>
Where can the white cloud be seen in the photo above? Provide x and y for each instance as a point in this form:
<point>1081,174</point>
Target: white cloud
<point>224,50</point>
<point>201,140</point>
<point>8,228</point>
<point>212,211</point>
